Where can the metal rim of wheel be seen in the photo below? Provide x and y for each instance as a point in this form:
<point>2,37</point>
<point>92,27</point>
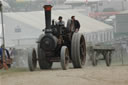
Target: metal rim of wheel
<point>78,50</point>
<point>82,51</point>
<point>64,57</point>
<point>108,59</point>
<point>43,62</point>
<point>32,59</point>
<point>94,59</point>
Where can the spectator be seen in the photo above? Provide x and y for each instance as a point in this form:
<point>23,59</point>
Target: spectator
<point>7,56</point>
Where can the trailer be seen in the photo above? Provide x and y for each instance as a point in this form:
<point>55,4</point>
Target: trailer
<point>104,50</point>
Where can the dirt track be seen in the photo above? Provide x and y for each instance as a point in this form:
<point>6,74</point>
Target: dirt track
<point>115,75</point>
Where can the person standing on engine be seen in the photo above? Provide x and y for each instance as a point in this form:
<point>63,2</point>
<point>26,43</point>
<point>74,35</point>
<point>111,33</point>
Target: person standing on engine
<point>60,22</point>
<point>75,25</point>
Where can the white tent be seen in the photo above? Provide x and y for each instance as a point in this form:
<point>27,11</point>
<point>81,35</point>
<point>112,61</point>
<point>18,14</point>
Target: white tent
<point>5,4</point>
<point>37,19</point>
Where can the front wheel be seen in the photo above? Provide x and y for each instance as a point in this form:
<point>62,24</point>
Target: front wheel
<point>32,59</point>
<point>64,57</point>
<point>94,59</point>
<point>108,59</point>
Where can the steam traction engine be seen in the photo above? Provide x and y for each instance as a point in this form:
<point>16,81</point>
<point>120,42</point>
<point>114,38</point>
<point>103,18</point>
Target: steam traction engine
<point>57,45</point>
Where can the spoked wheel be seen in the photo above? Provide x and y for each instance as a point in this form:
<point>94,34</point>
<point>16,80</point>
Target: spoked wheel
<point>108,59</point>
<point>78,50</point>
<point>64,57</point>
<point>32,59</point>
<point>94,59</point>
<point>43,62</point>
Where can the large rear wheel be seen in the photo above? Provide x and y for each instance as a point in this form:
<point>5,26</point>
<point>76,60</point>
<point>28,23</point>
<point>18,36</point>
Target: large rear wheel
<point>78,50</point>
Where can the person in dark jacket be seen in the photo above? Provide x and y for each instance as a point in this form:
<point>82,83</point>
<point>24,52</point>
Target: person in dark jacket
<point>75,25</point>
<point>7,55</point>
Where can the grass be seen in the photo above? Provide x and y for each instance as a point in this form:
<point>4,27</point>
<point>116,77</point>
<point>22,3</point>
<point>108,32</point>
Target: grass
<point>12,70</point>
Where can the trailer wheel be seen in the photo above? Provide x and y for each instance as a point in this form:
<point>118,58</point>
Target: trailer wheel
<point>43,62</point>
<point>64,57</point>
<point>94,59</point>
<point>78,50</point>
<point>108,59</point>
<point>32,59</point>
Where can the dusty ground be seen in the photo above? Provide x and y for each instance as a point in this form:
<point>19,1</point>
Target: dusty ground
<point>101,75</point>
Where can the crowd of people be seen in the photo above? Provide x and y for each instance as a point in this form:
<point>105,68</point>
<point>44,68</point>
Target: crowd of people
<point>5,55</point>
